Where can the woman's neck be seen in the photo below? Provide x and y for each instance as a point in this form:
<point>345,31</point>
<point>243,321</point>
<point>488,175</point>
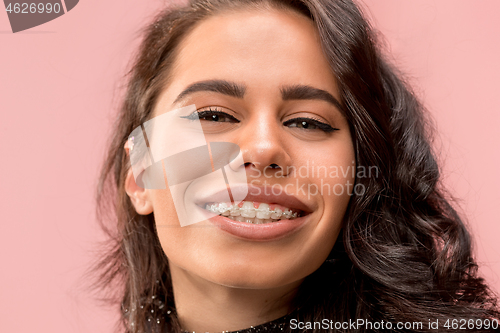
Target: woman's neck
<point>204,306</point>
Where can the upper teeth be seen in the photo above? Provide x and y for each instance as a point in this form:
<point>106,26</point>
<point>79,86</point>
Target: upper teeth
<point>248,210</point>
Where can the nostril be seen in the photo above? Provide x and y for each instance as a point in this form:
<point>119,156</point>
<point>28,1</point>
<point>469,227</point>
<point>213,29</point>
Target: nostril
<point>270,166</point>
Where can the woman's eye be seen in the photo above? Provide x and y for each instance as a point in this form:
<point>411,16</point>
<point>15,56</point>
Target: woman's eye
<point>213,116</point>
<point>309,124</point>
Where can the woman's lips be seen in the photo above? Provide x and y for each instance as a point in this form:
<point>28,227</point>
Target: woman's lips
<point>260,194</point>
<point>259,232</point>
<point>264,194</point>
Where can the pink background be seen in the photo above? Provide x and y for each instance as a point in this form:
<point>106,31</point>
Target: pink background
<point>59,88</point>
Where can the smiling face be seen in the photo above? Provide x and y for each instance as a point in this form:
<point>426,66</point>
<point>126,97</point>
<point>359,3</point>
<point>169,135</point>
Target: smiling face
<point>259,79</point>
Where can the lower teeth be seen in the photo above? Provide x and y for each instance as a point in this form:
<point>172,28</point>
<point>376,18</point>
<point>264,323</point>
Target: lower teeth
<point>251,220</point>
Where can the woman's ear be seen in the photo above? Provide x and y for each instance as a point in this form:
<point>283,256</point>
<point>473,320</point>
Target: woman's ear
<point>138,195</point>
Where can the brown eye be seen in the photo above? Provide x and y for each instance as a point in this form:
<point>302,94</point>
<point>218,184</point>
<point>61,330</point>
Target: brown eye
<point>309,124</point>
<point>216,116</point>
<point>305,124</point>
<point>213,116</point>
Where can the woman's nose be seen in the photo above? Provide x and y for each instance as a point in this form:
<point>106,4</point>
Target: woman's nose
<point>262,145</point>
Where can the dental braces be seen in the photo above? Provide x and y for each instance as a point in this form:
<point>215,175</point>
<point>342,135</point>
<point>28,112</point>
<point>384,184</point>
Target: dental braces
<point>235,210</point>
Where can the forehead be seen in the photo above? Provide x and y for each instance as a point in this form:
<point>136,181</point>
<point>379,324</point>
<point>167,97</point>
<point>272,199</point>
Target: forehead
<point>261,48</point>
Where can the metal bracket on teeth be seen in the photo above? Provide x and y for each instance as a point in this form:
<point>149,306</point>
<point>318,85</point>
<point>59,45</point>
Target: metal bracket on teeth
<point>223,208</point>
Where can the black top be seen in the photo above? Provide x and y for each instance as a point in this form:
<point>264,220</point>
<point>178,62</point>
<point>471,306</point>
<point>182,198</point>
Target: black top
<point>276,325</point>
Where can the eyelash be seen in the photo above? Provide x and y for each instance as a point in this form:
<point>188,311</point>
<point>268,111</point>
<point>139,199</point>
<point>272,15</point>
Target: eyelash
<point>210,112</point>
<point>304,120</point>
<point>319,124</point>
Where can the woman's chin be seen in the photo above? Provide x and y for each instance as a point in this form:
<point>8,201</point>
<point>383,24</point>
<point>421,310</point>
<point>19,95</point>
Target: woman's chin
<point>253,284</point>
<point>255,277</point>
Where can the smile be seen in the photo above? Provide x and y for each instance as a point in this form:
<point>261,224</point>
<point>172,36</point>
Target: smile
<point>253,212</point>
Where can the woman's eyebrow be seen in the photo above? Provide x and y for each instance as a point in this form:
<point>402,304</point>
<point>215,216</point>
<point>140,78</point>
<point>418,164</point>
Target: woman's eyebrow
<point>307,92</point>
<point>219,86</point>
<point>295,92</point>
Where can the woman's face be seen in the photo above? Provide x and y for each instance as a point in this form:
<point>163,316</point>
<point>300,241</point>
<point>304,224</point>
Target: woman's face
<point>282,113</point>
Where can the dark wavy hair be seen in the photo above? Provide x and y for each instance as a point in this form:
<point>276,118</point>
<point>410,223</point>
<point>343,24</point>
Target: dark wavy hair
<point>404,253</point>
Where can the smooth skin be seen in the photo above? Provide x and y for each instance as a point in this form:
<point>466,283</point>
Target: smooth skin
<point>221,282</point>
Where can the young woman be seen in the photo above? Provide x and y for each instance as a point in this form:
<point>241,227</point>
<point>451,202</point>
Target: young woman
<point>367,243</point>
